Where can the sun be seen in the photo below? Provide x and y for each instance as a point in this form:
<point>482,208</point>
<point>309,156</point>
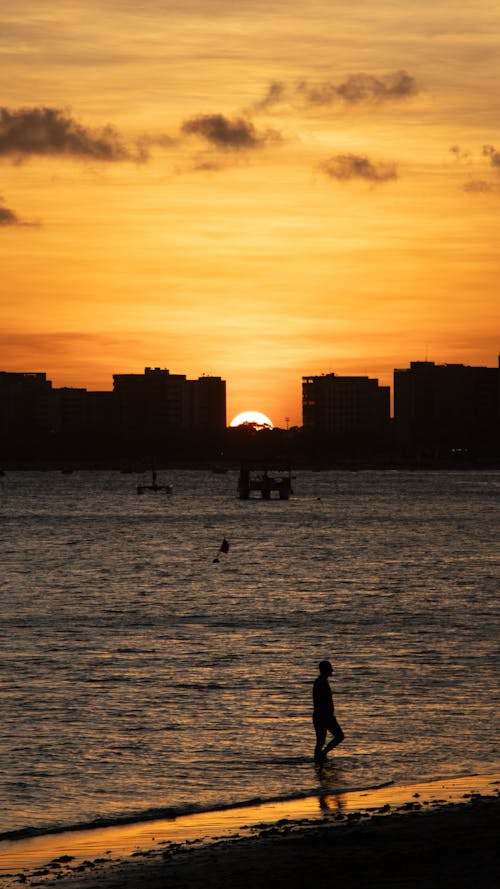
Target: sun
<point>254,417</point>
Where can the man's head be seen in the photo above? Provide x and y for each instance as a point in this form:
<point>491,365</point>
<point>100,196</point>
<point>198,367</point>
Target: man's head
<point>325,668</point>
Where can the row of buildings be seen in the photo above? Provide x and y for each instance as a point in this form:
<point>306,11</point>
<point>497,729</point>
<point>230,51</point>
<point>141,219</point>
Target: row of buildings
<point>138,417</point>
<point>438,410</point>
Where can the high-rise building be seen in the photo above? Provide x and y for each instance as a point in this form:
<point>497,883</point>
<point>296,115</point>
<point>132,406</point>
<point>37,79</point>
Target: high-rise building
<point>207,404</point>
<point>157,403</point>
<point>26,408</point>
<point>71,411</point>
<point>149,403</point>
<point>447,406</point>
<point>345,408</point>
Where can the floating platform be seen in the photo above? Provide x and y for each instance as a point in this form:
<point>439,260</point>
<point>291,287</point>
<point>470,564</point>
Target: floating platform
<point>255,478</point>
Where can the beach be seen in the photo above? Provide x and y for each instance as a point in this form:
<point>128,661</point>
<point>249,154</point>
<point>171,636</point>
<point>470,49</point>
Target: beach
<point>443,833</point>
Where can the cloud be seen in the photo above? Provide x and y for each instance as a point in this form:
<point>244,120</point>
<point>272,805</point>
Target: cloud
<point>276,93</point>
<point>7,217</point>
<point>238,134</point>
<point>480,186</point>
<point>367,88</point>
<point>49,132</point>
<point>206,166</point>
<point>356,89</point>
<point>494,155</point>
<point>459,153</point>
<point>65,348</point>
<point>345,167</point>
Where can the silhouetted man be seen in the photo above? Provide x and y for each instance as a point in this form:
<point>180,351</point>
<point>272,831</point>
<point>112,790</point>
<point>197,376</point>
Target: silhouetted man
<point>324,713</point>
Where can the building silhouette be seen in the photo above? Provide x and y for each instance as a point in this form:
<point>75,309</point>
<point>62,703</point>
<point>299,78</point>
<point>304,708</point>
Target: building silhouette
<point>442,413</point>
<point>145,416</point>
<point>447,409</point>
<point>152,408</point>
<point>345,410</point>
<point>27,411</point>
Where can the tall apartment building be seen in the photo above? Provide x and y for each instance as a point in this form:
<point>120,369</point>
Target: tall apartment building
<point>447,406</point>
<point>150,402</point>
<point>26,407</point>
<point>345,408</point>
<point>156,404</point>
<point>207,404</point>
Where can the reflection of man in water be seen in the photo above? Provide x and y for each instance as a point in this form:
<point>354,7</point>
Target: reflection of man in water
<point>324,713</point>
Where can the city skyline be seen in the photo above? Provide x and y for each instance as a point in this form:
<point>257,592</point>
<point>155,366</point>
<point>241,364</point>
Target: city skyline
<point>441,413</point>
<point>254,192</point>
<point>387,392</point>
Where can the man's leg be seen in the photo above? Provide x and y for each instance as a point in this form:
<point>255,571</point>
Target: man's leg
<point>320,740</point>
<point>338,735</point>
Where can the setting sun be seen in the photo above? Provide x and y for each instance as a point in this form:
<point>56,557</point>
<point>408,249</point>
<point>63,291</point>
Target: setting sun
<point>251,417</point>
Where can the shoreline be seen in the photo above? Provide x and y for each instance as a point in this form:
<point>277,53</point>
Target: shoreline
<point>138,853</point>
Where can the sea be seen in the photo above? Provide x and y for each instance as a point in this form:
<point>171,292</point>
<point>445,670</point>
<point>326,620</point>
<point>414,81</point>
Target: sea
<point>145,673</point>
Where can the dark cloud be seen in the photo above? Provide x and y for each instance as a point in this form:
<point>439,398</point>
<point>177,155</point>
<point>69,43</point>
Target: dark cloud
<point>459,153</point>
<point>344,167</point>
<point>36,132</point>
<point>480,186</point>
<point>356,89</point>
<point>494,155</point>
<point>317,94</point>
<point>7,217</point>
<point>276,93</point>
<point>238,134</point>
<point>366,88</point>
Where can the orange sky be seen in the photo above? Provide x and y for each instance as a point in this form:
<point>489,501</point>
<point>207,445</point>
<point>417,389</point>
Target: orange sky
<point>258,191</point>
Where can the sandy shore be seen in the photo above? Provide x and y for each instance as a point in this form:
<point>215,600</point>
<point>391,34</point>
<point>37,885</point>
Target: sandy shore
<point>439,834</point>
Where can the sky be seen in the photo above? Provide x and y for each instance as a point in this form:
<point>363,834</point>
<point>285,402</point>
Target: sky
<point>257,190</point>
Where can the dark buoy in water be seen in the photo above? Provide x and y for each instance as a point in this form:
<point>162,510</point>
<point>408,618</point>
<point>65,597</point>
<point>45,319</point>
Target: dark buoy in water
<point>224,548</point>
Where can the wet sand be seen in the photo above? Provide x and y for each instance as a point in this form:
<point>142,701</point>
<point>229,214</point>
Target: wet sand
<point>438,834</point>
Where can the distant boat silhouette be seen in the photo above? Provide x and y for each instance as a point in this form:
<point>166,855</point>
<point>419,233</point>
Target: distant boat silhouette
<point>154,486</point>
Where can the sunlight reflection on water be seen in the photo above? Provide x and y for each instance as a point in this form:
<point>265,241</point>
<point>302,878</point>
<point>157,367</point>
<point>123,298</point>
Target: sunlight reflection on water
<point>136,673</point>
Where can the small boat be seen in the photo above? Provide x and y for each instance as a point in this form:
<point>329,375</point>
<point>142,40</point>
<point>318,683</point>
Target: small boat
<point>154,486</point>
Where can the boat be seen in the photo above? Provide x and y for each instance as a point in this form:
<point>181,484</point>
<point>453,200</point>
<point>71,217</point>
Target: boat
<point>154,486</point>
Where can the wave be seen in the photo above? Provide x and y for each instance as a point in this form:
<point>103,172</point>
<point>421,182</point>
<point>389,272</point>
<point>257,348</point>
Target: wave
<point>170,813</point>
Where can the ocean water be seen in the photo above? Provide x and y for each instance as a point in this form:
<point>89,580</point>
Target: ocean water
<point>137,675</point>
